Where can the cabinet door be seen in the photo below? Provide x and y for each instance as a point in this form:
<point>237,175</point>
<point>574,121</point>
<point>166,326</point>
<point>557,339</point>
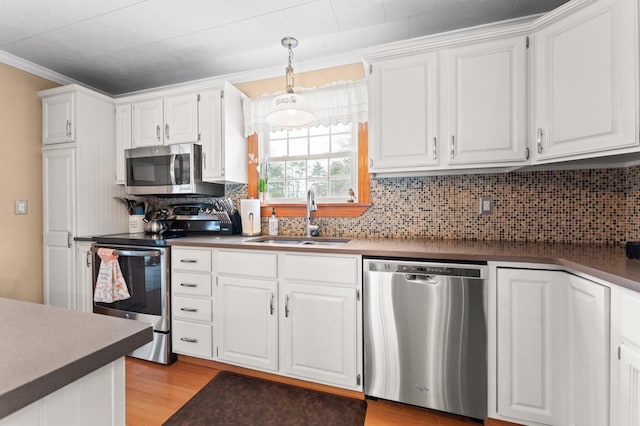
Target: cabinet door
<point>123,140</point>
<point>529,341</point>
<point>403,108</point>
<point>629,387</point>
<point>146,123</point>
<point>247,322</point>
<point>486,104</point>
<point>553,348</point>
<point>58,119</point>
<point>585,82</point>
<point>181,119</point>
<point>212,135</point>
<point>58,172</point>
<point>318,333</point>
<point>84,278</point>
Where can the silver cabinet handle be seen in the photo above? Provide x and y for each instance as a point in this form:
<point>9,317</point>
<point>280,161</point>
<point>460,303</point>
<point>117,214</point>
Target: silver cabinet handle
<point>271,304</point>
<point>188,309</point>
<point>453,146</point>
<point>539,140</point>
<point>69,240</point>
<point>435,148</point>
<point>188,261</point>
<point>166,131</point>
<point>68,128</point>
<point>158,131</point>
<point>88,258</point>
<point>189,340</point>
<point>188,285</point>
<point>286,306</point>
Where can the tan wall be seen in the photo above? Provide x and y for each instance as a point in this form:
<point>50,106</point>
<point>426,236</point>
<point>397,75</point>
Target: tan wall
<point>21,179</point>
<point>317,78</point>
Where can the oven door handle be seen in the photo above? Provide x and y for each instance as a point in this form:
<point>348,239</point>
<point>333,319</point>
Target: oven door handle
<point>135,253</point>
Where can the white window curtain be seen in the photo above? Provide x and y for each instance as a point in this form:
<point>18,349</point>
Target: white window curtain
<point>340,102</point>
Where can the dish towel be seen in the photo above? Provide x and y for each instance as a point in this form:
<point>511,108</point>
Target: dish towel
<point>110,285</point>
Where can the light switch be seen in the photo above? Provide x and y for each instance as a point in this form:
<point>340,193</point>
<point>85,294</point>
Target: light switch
<point>20,207</point>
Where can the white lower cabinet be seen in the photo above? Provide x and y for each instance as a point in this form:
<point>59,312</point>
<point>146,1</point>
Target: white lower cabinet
<point>625,404</point>
<point>248,322</point>
<point>552,348</point>
<point>318,334</point>
<point>295,314</point>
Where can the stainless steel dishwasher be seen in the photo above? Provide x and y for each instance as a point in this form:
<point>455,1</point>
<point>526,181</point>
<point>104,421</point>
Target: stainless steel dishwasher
<point>425,334</point>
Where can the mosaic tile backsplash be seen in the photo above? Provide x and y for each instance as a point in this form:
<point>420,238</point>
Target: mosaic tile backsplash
<point>573,206</point>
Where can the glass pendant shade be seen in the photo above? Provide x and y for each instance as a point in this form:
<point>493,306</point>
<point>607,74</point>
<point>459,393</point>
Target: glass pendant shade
<point>290,109</point>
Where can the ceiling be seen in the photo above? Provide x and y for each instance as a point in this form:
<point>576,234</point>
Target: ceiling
<point>121,46</point>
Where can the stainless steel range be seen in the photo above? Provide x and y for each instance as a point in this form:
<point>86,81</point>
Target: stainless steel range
<point>145,261</point>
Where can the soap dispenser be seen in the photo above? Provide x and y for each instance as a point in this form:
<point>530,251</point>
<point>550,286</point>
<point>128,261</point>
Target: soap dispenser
<point>273,223</point>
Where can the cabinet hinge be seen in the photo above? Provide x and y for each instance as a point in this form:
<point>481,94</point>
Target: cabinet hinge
<point>216,352</point>
<point>526,152</point>
<point>358,380</point>
<point>200,137</point>
<point>526,43</point>
<point>198,97</point>
<point>358,295</point>
<point>619,353</point>
<point>222,94</point>
<point>370,69</point>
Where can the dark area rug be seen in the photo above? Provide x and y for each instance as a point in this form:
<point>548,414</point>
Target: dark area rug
<point>234,399</point>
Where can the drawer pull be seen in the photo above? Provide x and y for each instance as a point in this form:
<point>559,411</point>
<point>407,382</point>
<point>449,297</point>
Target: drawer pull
<point>188,285</point>
<point>286,306</point>
<point>189,340</point>
<point>188,309</point>
<point>271,304</point>
<point>188,261</point>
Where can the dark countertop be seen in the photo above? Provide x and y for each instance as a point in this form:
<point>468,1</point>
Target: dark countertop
<point>46,348</point>
<point>607,262</point>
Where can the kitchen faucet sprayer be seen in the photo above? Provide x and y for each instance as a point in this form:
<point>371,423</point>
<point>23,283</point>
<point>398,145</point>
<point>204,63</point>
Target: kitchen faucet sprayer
<point>312,230</point>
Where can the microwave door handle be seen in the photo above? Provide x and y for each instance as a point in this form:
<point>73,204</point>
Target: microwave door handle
<point>172,169</point>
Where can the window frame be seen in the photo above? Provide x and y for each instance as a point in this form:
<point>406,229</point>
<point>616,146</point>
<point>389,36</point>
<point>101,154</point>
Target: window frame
<point>329,209</point>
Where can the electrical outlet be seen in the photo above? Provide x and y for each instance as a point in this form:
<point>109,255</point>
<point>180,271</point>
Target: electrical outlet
<point>486,205</point>
<point>20,207</point>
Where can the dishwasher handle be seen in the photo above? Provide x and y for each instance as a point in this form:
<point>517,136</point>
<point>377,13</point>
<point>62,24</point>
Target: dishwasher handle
<point>422,278</point>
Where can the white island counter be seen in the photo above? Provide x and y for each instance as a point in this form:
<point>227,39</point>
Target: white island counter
<point>63,367</point>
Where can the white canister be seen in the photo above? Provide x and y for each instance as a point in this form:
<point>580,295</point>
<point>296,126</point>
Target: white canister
<point>250,215</point>
<point>136,224</point>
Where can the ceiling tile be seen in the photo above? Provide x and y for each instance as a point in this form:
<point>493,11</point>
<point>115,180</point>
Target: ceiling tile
<point>60,13</point>
<point>358,13</point>
<point>345,41</point>
<point>19,22</point>
<point>527,7</point>
<point>386,32</point>
<point>262,6</point>
<point>312,19</point>
<point>436,21</point>
<point>484,11</point>
<point>195,15</point>
<point>394,9</point>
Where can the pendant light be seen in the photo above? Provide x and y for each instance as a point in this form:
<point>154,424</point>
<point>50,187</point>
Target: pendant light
<point>290,109</point>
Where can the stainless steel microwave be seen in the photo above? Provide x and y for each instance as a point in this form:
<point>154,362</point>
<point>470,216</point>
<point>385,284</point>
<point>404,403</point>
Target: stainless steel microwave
<point>168,169</point>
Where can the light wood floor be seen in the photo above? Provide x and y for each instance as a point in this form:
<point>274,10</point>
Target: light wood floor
<point>155,392</point>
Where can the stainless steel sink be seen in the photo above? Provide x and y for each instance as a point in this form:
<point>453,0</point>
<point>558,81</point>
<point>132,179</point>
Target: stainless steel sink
<point>295,241</point>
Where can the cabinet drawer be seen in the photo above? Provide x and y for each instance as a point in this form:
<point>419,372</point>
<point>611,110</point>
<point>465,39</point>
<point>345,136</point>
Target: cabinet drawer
<point>318,268</point>
<point>191,309</point>
<point>191,259</point>
<point>247,263</point>
<point>194,284</point>
<point>192,339</point>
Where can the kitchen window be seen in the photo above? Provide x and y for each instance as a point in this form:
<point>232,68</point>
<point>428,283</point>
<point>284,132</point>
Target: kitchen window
<point>329,156</point>
<point>322,158</point>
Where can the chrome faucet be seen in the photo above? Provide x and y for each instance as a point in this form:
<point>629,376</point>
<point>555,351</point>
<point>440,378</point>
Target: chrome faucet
<point>311,207</point>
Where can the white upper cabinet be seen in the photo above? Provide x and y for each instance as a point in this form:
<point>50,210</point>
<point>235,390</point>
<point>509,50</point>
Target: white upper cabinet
<point>165,121</point>
<point>403,108</point>
<point>486,102</point>
<point>181,119</point>
<point>224,147</point>
<point>58,118</point>
<point>585,86</point>
<point>123,139</point>
<point>147,123</point>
